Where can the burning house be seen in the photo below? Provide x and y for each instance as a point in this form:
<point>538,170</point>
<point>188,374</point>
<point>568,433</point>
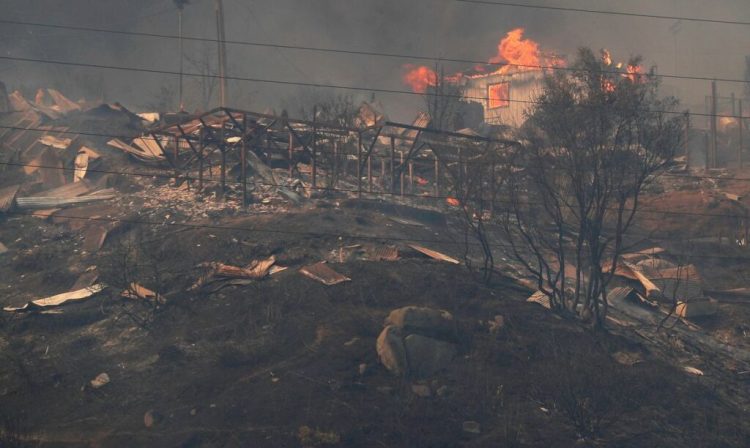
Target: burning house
<point>505,87</point>
<point>505,95</point>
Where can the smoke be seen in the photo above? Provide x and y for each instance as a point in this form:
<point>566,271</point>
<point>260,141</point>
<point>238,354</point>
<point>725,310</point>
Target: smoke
<point>435,28</point>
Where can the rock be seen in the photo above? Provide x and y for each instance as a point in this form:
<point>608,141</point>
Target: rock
<point>151,418</point>
<point>351,342</point>
<point>442,391</point>
<point>362,369</point>
<point>471,427</point>
<point>496,324</point>
<point>427,321</point>
<point>391,351</point>
<point>421,390</point>
<point>100,380</point>
<point>425,356</point>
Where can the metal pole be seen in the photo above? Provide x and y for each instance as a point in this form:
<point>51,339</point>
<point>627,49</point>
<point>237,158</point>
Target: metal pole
<point>200,162</point>
<point>335,179</point>
<point>359,165</point>
<point>291,150</point>
<point>314,150</point>
<point>176,156</point>
<point>369,173</point>
<point>687,139</point>
<point>411,177</point>
<point>393,155</point>
<point>243,159</point>
<point>382,172</point>
<point>437,175</point>
<point>401,170</point>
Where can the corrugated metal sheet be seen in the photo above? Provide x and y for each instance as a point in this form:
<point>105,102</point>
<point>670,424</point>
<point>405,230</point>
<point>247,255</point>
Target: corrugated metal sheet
<point>46,202</point>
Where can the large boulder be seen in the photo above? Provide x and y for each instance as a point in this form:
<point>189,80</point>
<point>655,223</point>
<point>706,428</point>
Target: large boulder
<point>426,356</point>
<point>391,350</point>
<point>425,321</point>
<point>417,341</point>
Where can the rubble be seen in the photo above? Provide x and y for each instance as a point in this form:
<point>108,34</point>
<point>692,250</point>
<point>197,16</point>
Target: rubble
<point>138,292</point>
<point>322,273</point>
<point>101,380</point>
<point>434,254</point>
<point>59,299</point>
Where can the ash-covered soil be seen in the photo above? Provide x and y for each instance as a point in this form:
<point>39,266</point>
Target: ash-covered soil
<point>286,361</point>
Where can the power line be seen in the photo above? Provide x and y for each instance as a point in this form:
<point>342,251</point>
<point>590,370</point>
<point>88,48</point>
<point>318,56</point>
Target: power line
<point>333,235</point>
<point>309,84</point>
<point>348,52</point>
<point>601,12</point>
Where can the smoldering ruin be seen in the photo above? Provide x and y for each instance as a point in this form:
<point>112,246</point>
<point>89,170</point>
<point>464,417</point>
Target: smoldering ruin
<point>366,225</point>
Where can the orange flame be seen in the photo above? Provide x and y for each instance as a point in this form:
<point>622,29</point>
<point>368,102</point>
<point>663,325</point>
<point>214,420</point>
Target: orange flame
<point>419,78</point>
<point>517,52</point>
<point>634,73</point>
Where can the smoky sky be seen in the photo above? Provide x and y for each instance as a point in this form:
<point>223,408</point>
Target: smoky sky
<point>434,28</point>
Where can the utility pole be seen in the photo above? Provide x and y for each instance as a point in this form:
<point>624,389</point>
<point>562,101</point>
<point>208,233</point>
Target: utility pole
<point>221,38</point>
<point>180,7</point>
<point>714,137</point>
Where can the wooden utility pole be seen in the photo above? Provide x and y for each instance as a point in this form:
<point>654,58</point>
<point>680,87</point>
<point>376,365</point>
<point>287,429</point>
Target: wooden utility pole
<point>714,137</point>
<point>222,49</point>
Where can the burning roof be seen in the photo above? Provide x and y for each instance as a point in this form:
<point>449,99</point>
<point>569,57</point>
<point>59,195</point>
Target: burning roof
<point>514,53</point>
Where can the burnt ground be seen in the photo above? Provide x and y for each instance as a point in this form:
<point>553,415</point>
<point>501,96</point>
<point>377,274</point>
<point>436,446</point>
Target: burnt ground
<point>278,362</point>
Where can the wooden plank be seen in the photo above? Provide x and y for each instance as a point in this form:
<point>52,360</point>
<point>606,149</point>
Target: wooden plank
<point>85,280</point>
<point>94,237</point>
<point>434,254</point>
<point>55,142</point>
<point>81,165</point>
<point>322,273</point>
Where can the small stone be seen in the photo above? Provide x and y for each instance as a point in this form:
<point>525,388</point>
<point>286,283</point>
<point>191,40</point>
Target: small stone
<point>151,418</point>
<point>496,324</point>
<point>421,390</point>
<point>193,412</point>
<point>362,368</point>
<point>351,342</point>
<point>472,427</point>
<point>100,380</point>
<point>442,391</point>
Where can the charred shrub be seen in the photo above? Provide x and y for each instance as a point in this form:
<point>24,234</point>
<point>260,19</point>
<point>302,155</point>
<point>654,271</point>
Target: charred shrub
<point>585,385</point>
<point>12,431</point>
